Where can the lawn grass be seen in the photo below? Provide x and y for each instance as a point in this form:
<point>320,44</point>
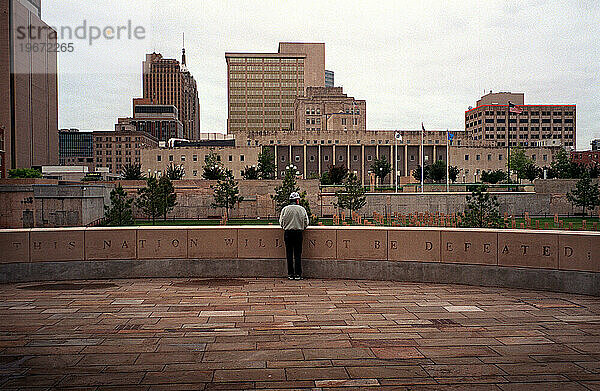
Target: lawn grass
<point>577,222</point>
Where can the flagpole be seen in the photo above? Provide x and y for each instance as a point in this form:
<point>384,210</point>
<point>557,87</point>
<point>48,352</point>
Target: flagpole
<point>447,161</point>
<point>508,141</point>
<point>396,160</point>
<point>422,158</point>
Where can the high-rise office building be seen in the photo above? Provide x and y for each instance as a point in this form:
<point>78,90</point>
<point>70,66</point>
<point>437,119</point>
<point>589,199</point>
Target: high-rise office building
<point>168,82</point>
<point>329,78</point>
<point>28,86</point>
<point>534,125</point>
<point>262,87</point>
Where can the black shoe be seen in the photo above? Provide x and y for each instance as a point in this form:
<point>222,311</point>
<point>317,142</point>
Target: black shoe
<point>290,277</point>
<point>298,278</point>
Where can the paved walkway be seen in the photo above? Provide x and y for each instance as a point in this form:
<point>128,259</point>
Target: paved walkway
<point>279,334</point>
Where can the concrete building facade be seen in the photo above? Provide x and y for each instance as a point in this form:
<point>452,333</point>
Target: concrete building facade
<point>168,82</point>
<point>262,87</point>
<point>536,125</point>
<point>192,159</point>
<point>314,152</point>
<point>28,86</point>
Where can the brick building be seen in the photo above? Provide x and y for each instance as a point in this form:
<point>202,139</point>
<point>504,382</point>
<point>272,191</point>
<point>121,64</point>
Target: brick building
<point>28,86</point>
<point>115,149</point>
<point>536,125</point>
<point>329,109</point>
<point>587,158</point>
<point>2,155</point>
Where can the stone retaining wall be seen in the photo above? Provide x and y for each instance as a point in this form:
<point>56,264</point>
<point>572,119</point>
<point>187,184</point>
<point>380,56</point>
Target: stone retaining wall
<point>553,260</point>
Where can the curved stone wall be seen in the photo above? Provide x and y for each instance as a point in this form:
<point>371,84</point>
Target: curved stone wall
<point>549,260</point>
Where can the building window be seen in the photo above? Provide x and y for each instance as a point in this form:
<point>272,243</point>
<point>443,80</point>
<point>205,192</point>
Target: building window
<point>312,158</point>
<point>489,158</point>
<point>500,157</point>
<point>195,172</point>
<point>545,157</point>
<point>477,157</point>
<point>241,158</point>
<point>412,158</point>
<point>195,158</point>
<point>355,158</point>
<point>183,158</point>
<point>230,158</point>
<point>466,157</point>
<point>369,158</point>
<point>297,158</point>
<point>326,158</point>
<point>170,158</point>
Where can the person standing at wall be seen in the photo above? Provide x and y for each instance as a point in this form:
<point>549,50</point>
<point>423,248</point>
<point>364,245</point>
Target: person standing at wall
<point>294,220</point>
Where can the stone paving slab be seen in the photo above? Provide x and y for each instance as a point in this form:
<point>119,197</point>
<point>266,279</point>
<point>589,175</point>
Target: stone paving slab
<point>276,334</point>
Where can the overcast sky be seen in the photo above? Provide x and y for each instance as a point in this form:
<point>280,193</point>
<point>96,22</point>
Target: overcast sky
<point>411,61</point>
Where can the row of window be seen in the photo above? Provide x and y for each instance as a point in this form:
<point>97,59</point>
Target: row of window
<point>255,60</point>
<point>195,158</point>
<point>524,113</point>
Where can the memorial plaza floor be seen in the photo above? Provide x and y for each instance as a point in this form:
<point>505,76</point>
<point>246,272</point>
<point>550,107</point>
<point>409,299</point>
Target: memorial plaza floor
<point>179,334</point>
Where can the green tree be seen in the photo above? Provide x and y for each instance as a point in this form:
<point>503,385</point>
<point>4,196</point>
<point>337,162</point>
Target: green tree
<point>132,171</point>
<point>175,172</point>
<point>335,175</point>
<point>453,172</point>
<point>150,199</point>
<point>167,194</point>
<point>381,168</point>
<point>437,171</point>
<point>24,173</point>
<point>213,170</point>
<point>531,172</point>
<point>119,212</point>
<point>266,164</point>
<point>481,210</point>
<point>287,187</point>
<point>564,168</point>
<point>586,194</point>
<point>417,173</point>
<point>520,164</point>
<point>226,193</point>
<point>493,177</point>
<point>251,173</point>
<point>353,196</point>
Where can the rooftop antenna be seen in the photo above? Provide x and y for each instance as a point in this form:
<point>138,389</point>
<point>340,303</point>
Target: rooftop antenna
<point>183,51</point>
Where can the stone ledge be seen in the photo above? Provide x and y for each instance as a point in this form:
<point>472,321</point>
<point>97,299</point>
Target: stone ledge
<point>577,282</point>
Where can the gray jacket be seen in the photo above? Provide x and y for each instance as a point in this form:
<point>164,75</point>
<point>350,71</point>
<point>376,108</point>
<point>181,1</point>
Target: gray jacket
<point>293,217</point>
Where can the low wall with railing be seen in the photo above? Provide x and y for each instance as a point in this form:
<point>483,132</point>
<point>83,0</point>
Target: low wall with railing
<point>564,261</point>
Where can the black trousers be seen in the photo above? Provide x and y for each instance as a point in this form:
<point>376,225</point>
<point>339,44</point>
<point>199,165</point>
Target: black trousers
<point>293,249</point>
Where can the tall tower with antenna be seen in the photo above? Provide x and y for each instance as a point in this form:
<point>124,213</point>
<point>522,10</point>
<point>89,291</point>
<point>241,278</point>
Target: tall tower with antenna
<point>183,52</point>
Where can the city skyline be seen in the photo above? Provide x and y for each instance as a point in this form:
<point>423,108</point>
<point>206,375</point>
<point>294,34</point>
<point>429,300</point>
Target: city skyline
<point>433,62</point>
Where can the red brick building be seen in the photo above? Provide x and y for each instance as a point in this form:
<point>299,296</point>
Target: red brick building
<point>589,158</point>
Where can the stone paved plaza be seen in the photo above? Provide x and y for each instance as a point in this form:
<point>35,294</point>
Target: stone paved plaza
<point>277,334</point>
